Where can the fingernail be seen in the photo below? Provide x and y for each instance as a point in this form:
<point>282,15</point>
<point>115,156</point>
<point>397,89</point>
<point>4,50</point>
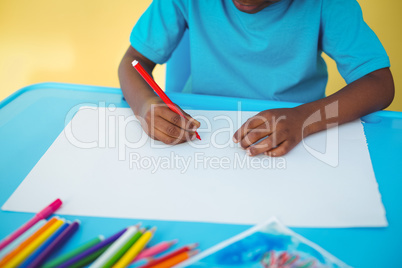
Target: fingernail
<point>193,137</point>
<point>234,140</point>
<point>194,129</point>
<point>248,152</point>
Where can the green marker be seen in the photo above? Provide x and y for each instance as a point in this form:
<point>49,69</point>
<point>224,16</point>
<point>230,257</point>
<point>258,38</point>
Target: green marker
<point>291,260</point>
<point>65,257</point>
<point>123,250</point>
<point>88,259</point>
<point>307,264</point>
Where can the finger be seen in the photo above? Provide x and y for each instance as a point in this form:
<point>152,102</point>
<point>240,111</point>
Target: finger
<point>172,130</point>
<point>163,137</point>
<point>273,141</point>
<point>255,135</point>
<point>196,123</point>
<point>250,124</point>
<point>176,119</point>
<point>282,149</point>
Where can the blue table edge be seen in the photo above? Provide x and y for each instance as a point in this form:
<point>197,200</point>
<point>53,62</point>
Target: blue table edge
<point>114,90</point>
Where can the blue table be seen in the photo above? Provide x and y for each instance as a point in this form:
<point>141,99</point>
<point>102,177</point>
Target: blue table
<point>32,118</point>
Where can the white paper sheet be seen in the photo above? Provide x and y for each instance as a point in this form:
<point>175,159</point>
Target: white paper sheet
<point>104,165</point>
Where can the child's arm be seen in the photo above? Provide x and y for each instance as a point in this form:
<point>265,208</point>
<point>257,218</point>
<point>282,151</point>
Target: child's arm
<point>287,127</point>
<point>157,120</point>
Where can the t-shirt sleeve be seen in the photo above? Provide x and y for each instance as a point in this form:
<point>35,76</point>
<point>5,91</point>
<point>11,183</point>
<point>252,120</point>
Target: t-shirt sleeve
<point>159,30</point>
<point>348,40</point>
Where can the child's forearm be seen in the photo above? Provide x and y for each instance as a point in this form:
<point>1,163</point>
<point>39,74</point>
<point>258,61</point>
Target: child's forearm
<point>135,90</point>
<point>368,94</point>
<point>284,128</point>
<point>156,118</point>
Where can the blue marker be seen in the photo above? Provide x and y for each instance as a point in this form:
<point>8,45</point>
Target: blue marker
<point>39,250</point>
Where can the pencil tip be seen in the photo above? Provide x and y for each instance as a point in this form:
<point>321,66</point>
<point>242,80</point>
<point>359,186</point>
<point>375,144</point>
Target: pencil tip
<point>194,252</point>
<point>194,245</point>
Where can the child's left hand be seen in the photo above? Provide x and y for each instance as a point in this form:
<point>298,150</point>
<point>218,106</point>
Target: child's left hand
<point>280,129</point>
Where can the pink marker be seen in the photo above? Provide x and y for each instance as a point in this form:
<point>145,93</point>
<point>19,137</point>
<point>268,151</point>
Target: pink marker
<point>155,250</point>
<point>43,214</point>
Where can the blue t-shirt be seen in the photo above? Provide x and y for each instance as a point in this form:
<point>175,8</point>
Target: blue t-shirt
<point>274,54</point>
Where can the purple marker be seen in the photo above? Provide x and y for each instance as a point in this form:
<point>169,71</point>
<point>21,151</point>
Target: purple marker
<point>54,245</point>
<point>91,250</point>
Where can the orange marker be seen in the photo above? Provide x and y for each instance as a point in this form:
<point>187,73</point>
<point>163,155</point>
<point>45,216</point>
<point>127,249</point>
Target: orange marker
<point>176,259</point>
<point>29,240</point>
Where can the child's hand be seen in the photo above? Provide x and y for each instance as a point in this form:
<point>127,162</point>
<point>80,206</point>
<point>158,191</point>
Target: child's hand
<point>281,128</point>
<point>162,124</point>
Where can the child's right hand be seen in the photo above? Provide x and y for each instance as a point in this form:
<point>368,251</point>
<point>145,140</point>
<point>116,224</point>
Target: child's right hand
<point>162,124</point>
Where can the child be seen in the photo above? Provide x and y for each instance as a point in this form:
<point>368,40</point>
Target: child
<point>260,49</point>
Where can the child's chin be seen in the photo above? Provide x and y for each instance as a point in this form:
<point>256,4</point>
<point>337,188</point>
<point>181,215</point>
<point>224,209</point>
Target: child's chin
<point>247,8</point>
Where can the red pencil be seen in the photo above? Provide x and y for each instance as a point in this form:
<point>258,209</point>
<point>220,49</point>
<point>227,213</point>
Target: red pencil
<point>151,82</point>
<point>170,255</point>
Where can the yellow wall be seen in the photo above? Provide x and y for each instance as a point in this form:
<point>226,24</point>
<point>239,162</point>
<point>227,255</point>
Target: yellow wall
<point>82,41</point>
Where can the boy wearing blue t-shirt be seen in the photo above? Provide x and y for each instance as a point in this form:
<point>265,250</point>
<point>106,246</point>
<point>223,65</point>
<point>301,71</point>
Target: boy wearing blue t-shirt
<point>262,50</point>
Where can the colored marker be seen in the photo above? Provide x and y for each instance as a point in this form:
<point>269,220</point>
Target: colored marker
<point>170,255</point>
<point>21,238</point>
<point>283,258</point>
<point>307,264</point>
<point>65,257</point>
<point>155,250</point>
<point>115,247</point>
<point>43,214</point>
<point>292,260</point>
<point>90,258</point>
<point>124,249</point>
<point>42,247</point>
<point>151,82</point>
<point>91,250</point>
<point>55,244</point>
<point>135,249</point>
<point>21,256</point>
<point>176,259</point>
<point>28,241</point>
